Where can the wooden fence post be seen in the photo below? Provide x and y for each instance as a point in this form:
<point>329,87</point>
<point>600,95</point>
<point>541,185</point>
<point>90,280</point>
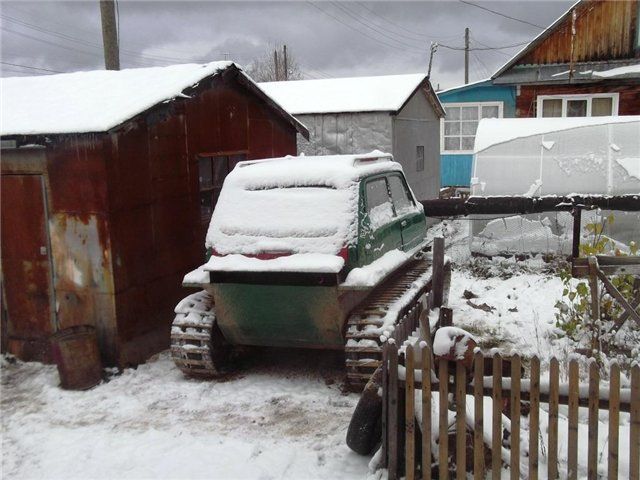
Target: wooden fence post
<point>572,448</point>
<point>594,396</point>
<point>437,281</point>
<point>461,421</point>
<point>552,454</point>
<point>595,302</point>
<point>385,400</point>
<point>478,412</point>
<point>634,431</point>
<point>515,417</point>
<point>614,421</point>
<point>496,435</point>
<point>426,413</point>
<point>392,440</point>
<point>534,417</point>
<point>409,418</point>
<point>443,434</point>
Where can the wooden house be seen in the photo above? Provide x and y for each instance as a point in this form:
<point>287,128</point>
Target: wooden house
<point>108,181</point>
<point>587,63</point>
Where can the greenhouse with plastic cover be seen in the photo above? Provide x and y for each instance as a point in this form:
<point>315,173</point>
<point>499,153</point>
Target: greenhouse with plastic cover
<point>554,156</point>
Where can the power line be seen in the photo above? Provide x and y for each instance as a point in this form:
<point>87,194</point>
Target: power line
<point>382,42</point>
<point>346,10</point>
<point>483,49</point>
<point>502,14</point>
<point>422,35</point>
<point>27,66</point>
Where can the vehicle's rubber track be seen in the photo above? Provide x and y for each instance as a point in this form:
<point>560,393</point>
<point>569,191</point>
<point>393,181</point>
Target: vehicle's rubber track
<point>368,322</point>
<point>192,335</point>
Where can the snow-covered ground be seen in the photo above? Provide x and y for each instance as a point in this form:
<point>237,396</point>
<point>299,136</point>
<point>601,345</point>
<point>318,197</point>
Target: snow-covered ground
<point>282,415</point>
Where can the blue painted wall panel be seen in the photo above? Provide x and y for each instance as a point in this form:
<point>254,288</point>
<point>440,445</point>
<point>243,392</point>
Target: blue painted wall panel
<point>455,169</point>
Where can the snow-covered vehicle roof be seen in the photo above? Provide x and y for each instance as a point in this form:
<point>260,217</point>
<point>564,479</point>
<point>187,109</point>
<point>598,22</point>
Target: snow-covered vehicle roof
<point>387,93</point>
<point>295,204</point>
<point>97,101</point>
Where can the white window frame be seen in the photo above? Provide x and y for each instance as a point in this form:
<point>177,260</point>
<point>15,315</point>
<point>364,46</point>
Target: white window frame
<point>479,105</point>
<point>615,98</point>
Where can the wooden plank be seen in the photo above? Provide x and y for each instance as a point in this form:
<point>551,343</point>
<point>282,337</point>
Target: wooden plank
<point>610,265</point>
<point>515,417</point>
<point>628,308</point>
<point>385,396</point>
<point>575,243</point>
<point>443,434</point>
<point>445,318</point>
<point>634,431</point>
<point>478,424</point>
<point>392,440</point>
<point>437,285</point>
<point>614,421</point>
<point>496,436</point>
<point>534,417</point>
<point>409,418</point>
<point>552,454</point>
<point>595,301</point>
<point>426,413</point>
<point>461,421</point>
<point>592,449</point>
<point>572,447</point>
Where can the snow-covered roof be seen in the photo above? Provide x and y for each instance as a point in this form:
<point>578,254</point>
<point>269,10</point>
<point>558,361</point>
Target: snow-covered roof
<point>97,101</point>
<point>386,93</point>
<point>293,204</point>
<point>492,131</point>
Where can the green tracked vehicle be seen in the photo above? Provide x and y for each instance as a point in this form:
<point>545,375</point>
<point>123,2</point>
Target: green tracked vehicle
<point>307,252</point>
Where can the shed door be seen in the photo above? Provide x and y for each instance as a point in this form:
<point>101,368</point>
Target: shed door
<point>26,262</point>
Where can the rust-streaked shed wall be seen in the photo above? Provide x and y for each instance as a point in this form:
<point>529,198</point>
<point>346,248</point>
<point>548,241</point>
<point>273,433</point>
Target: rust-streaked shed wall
<point>605,30</point>
<point>124,212</point>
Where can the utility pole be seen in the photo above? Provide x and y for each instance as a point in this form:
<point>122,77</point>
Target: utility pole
<point>109,35</point>
<point>275,64</point>
<point>433,48</point>
<point>286,65</point>
<point>466,55</point>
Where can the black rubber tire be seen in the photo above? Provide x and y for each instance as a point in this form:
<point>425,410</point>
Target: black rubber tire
<point>365,428</point>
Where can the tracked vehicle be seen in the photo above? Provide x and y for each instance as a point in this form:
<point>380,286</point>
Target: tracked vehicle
<point>313,252</point>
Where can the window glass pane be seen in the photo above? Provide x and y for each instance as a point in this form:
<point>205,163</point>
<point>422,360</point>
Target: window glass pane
<point>452,143</point>
<point>469,113</point>
<point>206,206</point>
<point>220,170</point>
<point>419,159</point>
<point>204,173</point>
<point>467,143</point>
<point>451,128</point>
<point>234,159</point>
<point>576,108</point>
<point>552,107</point>
<point>453,113</point>
<point>378,203</point>
<point>490,111</point>
<point>601,107</point>
<point>401,199</point>
<point>469,128</point>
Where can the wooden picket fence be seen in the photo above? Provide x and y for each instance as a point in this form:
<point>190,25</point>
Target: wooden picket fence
<point>406,444</point>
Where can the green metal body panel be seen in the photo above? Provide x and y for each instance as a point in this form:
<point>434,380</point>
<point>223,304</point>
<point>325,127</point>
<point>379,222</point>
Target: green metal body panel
<point>265,314</point>
<point>282,315</point>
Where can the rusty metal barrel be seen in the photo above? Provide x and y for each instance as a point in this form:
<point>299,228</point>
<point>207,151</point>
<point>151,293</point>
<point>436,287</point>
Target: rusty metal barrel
<point>75,352</point>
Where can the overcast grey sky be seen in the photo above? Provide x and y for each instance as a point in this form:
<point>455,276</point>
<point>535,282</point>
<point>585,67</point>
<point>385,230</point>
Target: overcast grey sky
<point>329,39</point>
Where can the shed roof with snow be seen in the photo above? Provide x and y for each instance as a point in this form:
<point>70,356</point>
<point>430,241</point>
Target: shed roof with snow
<point>387,93</point>
<point>100,100</point>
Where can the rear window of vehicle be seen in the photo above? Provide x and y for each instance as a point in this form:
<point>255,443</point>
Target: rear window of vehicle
<point>379,207</point>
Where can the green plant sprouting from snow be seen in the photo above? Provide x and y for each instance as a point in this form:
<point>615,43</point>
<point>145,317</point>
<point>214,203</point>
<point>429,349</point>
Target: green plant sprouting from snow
<point>573,314</point>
